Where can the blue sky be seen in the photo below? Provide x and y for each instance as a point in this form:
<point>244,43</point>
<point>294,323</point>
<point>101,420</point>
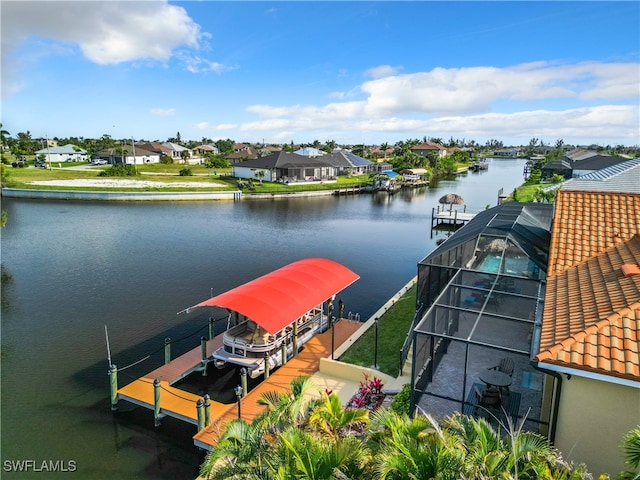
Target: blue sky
<point>352,72</point>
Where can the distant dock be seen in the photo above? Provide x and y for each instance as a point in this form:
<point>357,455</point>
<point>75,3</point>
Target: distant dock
<point>450,216</point>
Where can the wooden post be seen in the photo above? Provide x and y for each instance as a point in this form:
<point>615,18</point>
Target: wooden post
<point>167,350</point>
<point>266,365</point>
<point>113,381</point>
<point>200,410</point>
<point>211,328</point>
<point>203,346</point>
<point>156,402</point>
<point>207,410</point>
<point>243,381</point>
<point>283,350</point>
<point>295,338</point>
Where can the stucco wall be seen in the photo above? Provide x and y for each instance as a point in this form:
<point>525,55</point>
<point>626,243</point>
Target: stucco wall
<point>592,418</point>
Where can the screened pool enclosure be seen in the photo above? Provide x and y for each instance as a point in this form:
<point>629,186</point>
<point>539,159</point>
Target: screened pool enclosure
<point>479,297</point>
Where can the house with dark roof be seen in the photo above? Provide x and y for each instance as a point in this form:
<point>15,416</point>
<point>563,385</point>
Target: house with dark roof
<point>241,153</point>
<point>287,167</point>
<point>588,339</point>
<point>349,163</point>
<point>579,163</point>
<point>427,148</point>
<point>155,147</point>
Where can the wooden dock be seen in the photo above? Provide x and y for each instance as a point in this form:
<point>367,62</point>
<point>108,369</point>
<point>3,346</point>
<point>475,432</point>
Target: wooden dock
<point>452,216</point>
<point>181,404</point>
<point>175,402</point>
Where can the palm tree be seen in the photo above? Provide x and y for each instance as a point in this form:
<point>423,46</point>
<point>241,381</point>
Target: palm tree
<point>287,409</point>
<point>631,447</point>
<point>414,448</point>
<point>3,136</point>
<point>384,147</point>
<point>240,453</point>
<point>333,420</point>
<point>307,456</point>
<point>261,174</point>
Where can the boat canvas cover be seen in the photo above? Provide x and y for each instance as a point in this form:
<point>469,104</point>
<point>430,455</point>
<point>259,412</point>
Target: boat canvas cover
<point>277,299</point>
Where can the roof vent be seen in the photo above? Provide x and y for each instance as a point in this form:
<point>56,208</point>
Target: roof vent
<point>630,269</point>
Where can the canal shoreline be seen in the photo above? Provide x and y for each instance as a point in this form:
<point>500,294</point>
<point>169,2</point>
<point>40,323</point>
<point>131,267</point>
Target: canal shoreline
<point>128,196</point>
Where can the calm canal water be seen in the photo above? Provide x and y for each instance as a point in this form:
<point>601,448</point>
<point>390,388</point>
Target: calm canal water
<point>75,267</point>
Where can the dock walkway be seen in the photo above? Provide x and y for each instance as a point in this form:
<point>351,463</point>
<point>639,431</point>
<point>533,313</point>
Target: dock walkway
<point>175,402</point>
<point>181,404</point>
<point>450,216</point>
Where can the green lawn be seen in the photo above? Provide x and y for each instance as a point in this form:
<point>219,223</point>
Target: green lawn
<point>392,329</point>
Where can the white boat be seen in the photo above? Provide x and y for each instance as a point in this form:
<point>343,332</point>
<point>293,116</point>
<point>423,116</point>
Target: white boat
<point>281,310</point>
<point>249,345</point>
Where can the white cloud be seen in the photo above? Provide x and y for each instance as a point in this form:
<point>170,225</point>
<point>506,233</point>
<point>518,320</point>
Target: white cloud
<point>474,89</point>
<point>196,64</point>
<point>163,112</point>
<point>107,33</point>
<point>382,71</point>
<point>465,101</point>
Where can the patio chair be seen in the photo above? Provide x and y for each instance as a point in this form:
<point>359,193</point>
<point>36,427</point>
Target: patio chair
<point>505,366</point>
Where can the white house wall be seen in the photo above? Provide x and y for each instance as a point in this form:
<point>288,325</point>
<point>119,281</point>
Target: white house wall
<point>140,159</point>
<point>244,172</point>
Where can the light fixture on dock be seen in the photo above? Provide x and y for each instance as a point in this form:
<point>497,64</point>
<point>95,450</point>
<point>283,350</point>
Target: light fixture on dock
<point>238,391</point>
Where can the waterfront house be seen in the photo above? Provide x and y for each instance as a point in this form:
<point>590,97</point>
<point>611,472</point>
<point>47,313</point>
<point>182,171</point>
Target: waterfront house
<point>286,167</point>
<point>64,153</point>
<point>506,153</point>
<point>310,152</point>
<point>127,154</point>
<point>589,336</point>
<point>155,147</point>
<point>560,300</point>
<point>176,151</point>
<point>349,163</point>
<point>426,148</point>
<point>241,153</point>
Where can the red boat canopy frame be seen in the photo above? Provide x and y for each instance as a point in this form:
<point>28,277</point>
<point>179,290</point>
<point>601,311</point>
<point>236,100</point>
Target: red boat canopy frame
<point>277,299</point>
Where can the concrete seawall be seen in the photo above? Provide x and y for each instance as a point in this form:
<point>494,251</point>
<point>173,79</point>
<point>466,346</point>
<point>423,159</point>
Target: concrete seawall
<point>103,196</point>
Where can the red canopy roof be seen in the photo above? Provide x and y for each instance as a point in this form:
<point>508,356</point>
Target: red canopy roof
<point>278,298</point>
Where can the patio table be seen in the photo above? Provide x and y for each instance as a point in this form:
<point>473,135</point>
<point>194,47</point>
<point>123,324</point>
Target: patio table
<point>495,378</point>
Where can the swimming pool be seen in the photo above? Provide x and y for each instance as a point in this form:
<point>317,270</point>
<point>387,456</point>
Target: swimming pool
<point>513,265</point>
<point>490,264</point>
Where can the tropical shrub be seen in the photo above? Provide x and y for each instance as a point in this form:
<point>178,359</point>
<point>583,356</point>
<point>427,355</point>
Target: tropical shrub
<point>186,172</point>
<point>401,402</point>
<point>369,395</point>
<point>119,171</point>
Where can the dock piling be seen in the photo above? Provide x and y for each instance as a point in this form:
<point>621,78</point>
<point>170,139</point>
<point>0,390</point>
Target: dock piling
<point>156,402</point>
<point>295,338</point>
<point>167,350</point>
<point>203,346</point>
<point>283,350</point>
<point>211,328</point>
<point>113,381</point>
<point>199,409</point>
<point>266,365</point>
<point>207,410</point>
<point>243,381</point>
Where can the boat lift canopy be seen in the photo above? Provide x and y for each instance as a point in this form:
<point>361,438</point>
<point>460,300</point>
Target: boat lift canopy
<point>277,299</point>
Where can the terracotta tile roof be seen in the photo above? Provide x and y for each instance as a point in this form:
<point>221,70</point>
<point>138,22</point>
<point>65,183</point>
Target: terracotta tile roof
<point>591,317</point>
<point>587,223</point>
